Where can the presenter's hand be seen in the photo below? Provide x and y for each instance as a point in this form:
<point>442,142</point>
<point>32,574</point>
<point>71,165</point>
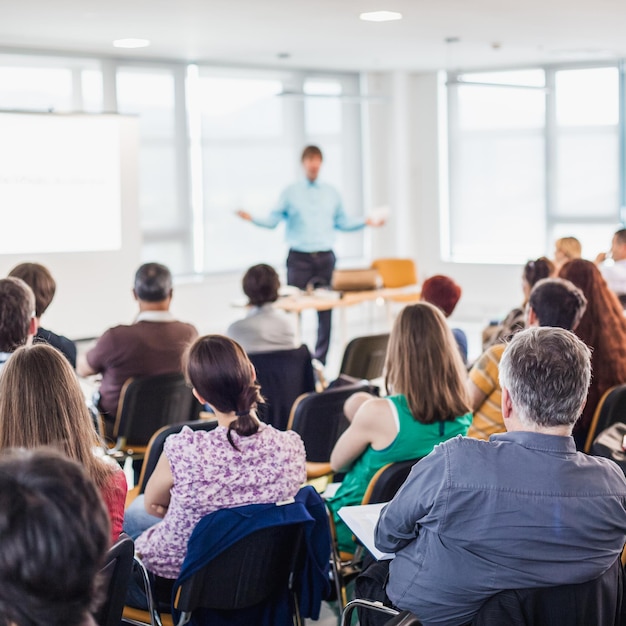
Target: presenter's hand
<point>601,258</point>
<point>244,215</point>
<point>375,223</point>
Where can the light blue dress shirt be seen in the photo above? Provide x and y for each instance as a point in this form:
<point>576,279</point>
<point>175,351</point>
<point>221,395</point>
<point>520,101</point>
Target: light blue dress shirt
<point>312,211</point>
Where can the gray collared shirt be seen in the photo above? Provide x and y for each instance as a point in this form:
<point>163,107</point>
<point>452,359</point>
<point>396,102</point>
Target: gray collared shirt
<point>520,510</point>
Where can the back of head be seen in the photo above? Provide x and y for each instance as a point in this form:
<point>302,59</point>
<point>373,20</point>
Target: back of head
<point>54,532</point>
<point>41,404</point>
<point>534,271</point>
<point>441,291</point>
<point>547,372</point>
<point>17,308</point>
<point>558,303</point>
<point>153,282</point>
<point>260,284</point>
<point>220,371</point>
<point>569,247</point>
<point>39,279</point>
<point>423,364</point>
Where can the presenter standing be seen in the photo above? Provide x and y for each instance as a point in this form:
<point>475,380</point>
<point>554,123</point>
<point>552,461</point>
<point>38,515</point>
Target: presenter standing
<point>312,211</point>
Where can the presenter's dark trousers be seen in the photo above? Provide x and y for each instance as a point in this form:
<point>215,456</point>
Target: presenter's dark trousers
<point>316,269</point>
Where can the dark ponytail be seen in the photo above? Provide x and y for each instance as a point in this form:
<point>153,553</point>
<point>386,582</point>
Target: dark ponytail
<point>219,369</point>
<point>534,271</point>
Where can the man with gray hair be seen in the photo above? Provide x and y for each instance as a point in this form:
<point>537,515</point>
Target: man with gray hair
<point>522,510</point>
<point>152,345</point>
<point>17,316</point>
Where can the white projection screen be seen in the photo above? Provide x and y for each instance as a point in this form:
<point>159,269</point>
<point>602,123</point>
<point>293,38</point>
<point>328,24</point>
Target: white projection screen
<point>69,200</point>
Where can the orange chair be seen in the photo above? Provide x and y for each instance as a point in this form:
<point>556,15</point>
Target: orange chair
<point>396,273</point>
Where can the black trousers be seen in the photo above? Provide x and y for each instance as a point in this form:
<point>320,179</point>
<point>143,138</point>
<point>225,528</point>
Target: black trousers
<point>314,269</point>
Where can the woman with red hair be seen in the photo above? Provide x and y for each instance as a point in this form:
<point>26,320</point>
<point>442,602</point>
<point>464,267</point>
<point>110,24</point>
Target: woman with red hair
<point>603,329</point>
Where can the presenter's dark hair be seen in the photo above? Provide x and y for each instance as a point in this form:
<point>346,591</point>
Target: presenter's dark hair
<point>40,280</point>
<point>153,282</point>
<point>17,307</point>
<point>311,152</point>
<point>220,372</point>
<point>558,303</point>
<point>260,283</point>
<point>54,532</point>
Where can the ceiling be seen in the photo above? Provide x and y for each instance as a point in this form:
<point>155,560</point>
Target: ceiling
<point>326,34</point>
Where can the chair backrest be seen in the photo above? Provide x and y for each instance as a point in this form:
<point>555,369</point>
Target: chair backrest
<point>283,375</point>
<point>610,409</point>
<point>319,420</point>
<point>114,581</point>
<point>396,272</point>
<point>252,570</point>
<point>157,441</point>
<point>148,403</point>
<point>364,357</point>
<point>388,479</point>
<point>598,601</point>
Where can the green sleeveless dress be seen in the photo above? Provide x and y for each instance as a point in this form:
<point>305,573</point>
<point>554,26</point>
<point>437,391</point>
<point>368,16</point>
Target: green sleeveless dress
<point>414,440</point>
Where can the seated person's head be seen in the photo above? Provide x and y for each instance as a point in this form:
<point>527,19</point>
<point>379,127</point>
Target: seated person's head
<point>39,279</point>
<point>566,249</point>
<point>545,375</point>
<point>618,245</point>
<point>260,284</point>
<point>41,404</point>
<point>443,292</point>
<point>17,313</point>
<point>534,271</point>
<point>423,364</point>
<point>222,376</point>
<point>54,533</point>
<point>153,283</point>
<point>556,302</point>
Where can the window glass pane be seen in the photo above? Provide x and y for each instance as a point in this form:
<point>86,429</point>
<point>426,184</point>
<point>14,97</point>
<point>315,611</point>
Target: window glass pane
<point>92,90</point>
<point>527,78</point>
<point>36,88</point>
<point>594,238</point>
<point>587,174</point>
<point>322,112</point>
<point>587,97</point>
<point>240,107</point>
<point>150,94</point>
<point>174,254</point>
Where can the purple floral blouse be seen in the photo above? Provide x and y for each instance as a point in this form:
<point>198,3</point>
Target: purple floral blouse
<point>209,474</point>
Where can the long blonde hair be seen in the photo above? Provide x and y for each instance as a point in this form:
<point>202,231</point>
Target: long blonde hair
<point>41,404</point>
<point>423,364</point>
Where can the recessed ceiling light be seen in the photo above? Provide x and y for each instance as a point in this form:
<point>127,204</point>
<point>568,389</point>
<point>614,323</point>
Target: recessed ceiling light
<point>380,16</point>
<point>131,43</point>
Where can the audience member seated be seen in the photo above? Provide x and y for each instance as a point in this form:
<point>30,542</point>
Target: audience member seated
<point>265,328</point>
<point>154,344</point>
<point>444,293</point>
<point>523,510</point>
<point>533,272</point>
<point>566,249</point>
<point>41,404</point>
<point>427,405</point>
<point>615,273</point>
<point>17,316</point>
<point>54,535</point>
<point>603,329</point>
<point>552,302</point>
<point>242,461</point>
<point>39,279</point>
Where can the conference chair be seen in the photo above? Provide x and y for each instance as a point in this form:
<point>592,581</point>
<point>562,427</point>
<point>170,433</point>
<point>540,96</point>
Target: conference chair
<point>364,357</point>
<point>154,449</point>
<point>396,273</point>
<point>319,420</point>
<point>114,578</point>
<point>397,618</point>
<point>610,409</point>
<point>283,375</point>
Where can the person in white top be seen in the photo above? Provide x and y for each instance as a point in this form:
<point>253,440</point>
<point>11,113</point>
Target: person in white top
<point>615,274</point>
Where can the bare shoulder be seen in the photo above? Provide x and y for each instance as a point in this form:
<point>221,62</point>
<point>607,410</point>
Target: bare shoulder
<point>373,411</point>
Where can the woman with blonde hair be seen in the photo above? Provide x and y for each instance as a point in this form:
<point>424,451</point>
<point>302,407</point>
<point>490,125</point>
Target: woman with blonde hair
<point>566,249</point>
<point>425,378</point>
<point>41,404</point>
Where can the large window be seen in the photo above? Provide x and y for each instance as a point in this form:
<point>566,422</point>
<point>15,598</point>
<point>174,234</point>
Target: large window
<point>534,155</point>
<point>211,141</point>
